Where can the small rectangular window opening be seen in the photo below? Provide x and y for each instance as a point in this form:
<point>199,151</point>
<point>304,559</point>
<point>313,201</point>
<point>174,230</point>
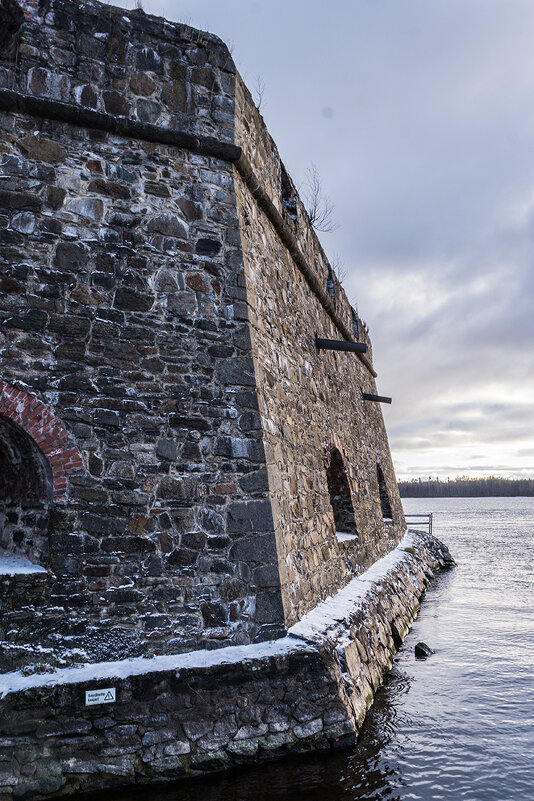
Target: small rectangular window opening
<point>289,195</point>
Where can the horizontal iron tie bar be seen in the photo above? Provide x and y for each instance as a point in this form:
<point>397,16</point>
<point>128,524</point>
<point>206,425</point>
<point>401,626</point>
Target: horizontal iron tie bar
<point>377,398</point>
<point>340,344</point>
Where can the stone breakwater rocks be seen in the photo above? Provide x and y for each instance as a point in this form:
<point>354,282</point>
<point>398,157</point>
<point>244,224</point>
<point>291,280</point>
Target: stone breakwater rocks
<point>187,714</point>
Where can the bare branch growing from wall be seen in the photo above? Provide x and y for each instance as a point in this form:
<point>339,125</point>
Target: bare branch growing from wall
<point>320,209</point>
<point>338,267</point>
<point>258,91</point>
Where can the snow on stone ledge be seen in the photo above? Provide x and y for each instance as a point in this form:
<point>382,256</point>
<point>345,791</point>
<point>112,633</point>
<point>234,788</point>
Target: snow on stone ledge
<point>17,564</point>
<point>12,682</point>
<point>306,635</point>
<point>316,625</point>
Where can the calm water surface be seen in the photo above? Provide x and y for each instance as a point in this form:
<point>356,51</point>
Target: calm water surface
<point>459,725</point>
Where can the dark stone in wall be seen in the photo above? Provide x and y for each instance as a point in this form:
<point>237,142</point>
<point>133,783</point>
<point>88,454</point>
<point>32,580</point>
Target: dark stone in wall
<point>208,247</point>
<point>11,19</point>
<point>246,516</point>
<point>255,482</point>
<point>269,608</point>
<point>259,549</point>
<point>15,201</point>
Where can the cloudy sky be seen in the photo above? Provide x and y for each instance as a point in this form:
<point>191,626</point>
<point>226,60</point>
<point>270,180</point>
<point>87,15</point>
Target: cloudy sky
<point>419,115</point>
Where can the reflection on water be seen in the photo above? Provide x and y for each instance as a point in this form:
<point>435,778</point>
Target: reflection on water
<point>459,725</point>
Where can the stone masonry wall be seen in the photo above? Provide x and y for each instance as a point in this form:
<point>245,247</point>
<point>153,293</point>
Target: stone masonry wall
<point>128,64</point>
<point>161,288</point>
<point>121,311</point>
<point>270,175</point>
<point>310,401</point>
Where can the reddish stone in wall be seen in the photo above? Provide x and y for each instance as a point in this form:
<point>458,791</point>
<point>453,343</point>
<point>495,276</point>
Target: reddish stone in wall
<point>30,8</point>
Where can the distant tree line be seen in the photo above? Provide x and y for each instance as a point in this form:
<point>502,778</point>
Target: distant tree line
<point>465,487</point>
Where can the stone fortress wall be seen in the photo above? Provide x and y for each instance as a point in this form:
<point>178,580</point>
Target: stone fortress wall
<point>121,268</point>
<point>161,291</point>
<point>310,401</point>
<point>198,510</point>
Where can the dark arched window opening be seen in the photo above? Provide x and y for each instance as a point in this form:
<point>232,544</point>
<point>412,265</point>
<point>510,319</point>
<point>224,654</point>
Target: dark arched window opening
<point>11,19</point>
<point>384,497</point>
<point>25,494</point>
<point>340,495</point>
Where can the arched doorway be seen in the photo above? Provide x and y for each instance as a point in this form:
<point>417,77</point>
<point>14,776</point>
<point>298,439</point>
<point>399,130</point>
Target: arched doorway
<point>26,491</point>
<point>37,458</point>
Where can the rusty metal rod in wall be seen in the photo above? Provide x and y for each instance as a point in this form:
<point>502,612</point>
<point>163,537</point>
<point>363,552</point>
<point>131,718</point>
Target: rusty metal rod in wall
<point>340,344</point>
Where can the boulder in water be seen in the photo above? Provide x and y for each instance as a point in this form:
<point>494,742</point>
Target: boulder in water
<point>422,650</point>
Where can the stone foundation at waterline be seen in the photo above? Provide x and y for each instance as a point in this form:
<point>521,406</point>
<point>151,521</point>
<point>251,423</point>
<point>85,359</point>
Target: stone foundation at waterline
<point>183,715</point>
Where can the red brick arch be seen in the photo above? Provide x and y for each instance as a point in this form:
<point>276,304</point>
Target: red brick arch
<point>47,431</point>
<point>30,8</point>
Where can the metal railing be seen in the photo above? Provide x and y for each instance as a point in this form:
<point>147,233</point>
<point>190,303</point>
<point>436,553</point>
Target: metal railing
<point>425,521</point>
